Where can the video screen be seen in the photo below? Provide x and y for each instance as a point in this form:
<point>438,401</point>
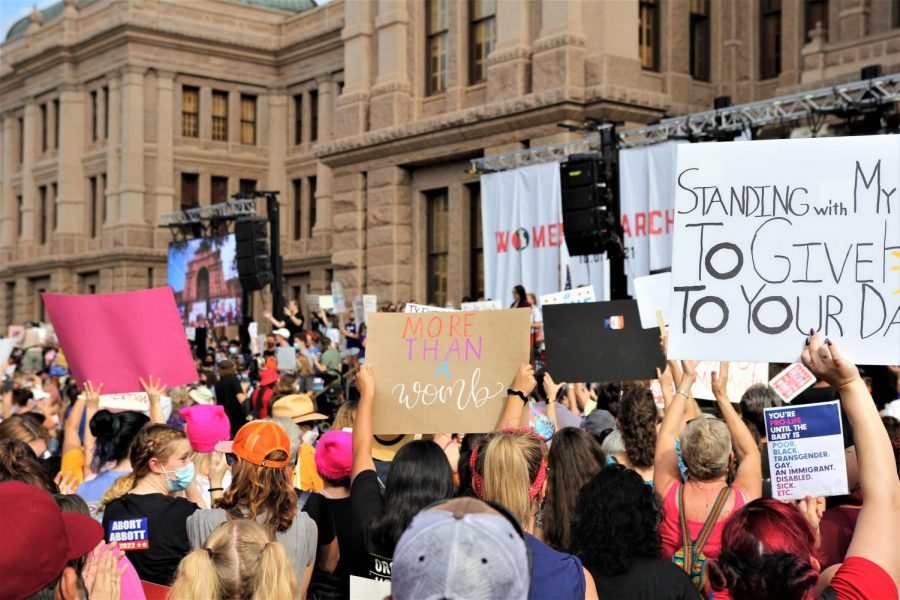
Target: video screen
<point>203,274</point>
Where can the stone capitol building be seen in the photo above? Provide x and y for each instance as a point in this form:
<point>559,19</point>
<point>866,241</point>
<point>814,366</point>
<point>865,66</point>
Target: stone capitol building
<point>364,114</point>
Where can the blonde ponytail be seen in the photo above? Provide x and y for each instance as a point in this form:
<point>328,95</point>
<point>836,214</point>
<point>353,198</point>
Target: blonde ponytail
<point>512,460</point>
<point>119,488</point>
<point>197,577</point>
<point>275,577</point>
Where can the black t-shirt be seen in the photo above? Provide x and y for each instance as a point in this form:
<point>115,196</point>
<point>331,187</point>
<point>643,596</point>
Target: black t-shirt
<point>648,579</point>
<point>152,530</point>
<point>366,505</point>
<point>227,390</point>
<point>319,511</point>
<point>292,327</point>
<point>353,557</point>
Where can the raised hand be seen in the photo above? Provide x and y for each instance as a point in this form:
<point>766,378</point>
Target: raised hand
<point>66,482</point>
<point>551,388</point>
<point>365,380</point>
<point>826,362</point>
<point>108,581</point>
<point>720,380</point>
<point>153,388</point>
<point>92,395</point>
<point>524,380</point>
<point>690,368</point>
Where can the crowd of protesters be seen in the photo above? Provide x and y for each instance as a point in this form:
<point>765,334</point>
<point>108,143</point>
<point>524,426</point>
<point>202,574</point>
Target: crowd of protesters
<point>262,482</point>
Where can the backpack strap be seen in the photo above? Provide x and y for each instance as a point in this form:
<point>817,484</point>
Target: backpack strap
<point>713,517</point>
<point>694,549</point>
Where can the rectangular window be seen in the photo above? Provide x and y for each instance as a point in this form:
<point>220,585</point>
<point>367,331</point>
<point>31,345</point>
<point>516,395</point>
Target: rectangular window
<point>10,298</point>
<point>436,45</point>
<point>190,112</point>
<point>54,190</point>
<point>220,116</point>
<point>56,124</point>
<point>700,40</point>
<point>313,115</point>
<point>248,119</point>
<point>298,208</point>
<point>42,220</point>
<point>438,246</point>
<point>247,185</point>
<point>816,13</point>
<point>21,140</point>
<point>19,217</point>
<point>102,196</point>
<point>44,132</point>
<point>93,193</point>
<point>218,190</point>
<point>298,119</point>
<point>189,193</point>
<point>312,205</point>
<point>648,34</point>
<point>476,287</point>
<point>95,116</point>
<point>770,39</point>
<point>106,112</point>
<point>482,37</point>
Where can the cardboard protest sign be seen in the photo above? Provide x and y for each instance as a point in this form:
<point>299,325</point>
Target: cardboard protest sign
<point>600,341</point>
<point>285,358</point>
<point>337,295</point>
<point>105,343</point>
<point>806,451</point>
<point>481,305</point>
<point>6,347</point>
<point>775,237</point>
<point>741,375</point>
<point>444,371</point>
<point>791,382</point>
<point>578,295</point>
<point>418,308</point>
<point>653,293</point>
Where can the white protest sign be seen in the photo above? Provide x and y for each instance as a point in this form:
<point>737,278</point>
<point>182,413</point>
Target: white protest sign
<point>481,305</point>
<point>370,303</point>
<point>337,294</point>
<point>791,382</point>
<point>806,451</point>
<point>359,309</point>
<point>364,306</point>
<point>190,333</point>
<point>418,308</point>
<point>285,358</point>
<point>6,348</point>
<point>741,375</point>
<point>576,296</point>
<point>312,300</point>
<point>125,401</point>
<point>326,302</point>
<point>775,237</point>
<point>653,292</point>
<point>253,332</point>
<point>362,588</point>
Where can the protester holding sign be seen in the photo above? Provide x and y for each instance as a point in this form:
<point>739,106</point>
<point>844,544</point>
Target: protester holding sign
<point>767,546</point>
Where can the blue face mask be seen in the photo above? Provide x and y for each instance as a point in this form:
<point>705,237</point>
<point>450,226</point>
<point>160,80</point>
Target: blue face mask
<point>183,478</point>
<point>232,350</point>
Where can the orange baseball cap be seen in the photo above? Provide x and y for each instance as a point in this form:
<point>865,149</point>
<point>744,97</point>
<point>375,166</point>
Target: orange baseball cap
<point>255,440</point>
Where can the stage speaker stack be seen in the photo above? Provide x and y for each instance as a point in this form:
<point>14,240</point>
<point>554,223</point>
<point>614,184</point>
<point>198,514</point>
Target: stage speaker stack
<point>252,249</point>
<point>589,205</point>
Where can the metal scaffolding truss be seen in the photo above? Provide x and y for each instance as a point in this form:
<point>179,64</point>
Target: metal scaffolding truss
<point>215,212</point>
<point>858,95</point>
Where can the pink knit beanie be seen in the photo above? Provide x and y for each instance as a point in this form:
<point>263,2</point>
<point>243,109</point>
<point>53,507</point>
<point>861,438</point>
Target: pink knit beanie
<point>334,455</point>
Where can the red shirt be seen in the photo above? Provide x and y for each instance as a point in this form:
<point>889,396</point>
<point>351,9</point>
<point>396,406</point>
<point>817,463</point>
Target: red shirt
<point>861,579</point>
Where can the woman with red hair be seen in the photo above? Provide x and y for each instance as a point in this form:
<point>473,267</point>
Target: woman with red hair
<point>767,546</point>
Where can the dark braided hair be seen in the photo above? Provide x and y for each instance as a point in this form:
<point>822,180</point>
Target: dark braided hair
<point>637,418</point>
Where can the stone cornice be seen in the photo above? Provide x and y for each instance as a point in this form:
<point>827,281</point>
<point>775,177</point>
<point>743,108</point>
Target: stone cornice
<point>558,40</point>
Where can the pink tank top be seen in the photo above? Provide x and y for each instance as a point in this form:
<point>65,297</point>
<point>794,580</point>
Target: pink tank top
<point>670,529</point>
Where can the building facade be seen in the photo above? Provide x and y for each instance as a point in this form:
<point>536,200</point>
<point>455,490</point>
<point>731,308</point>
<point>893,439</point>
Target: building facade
<point>364,114</point>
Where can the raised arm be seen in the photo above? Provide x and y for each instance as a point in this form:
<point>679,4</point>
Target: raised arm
<point>71,439</point>
<point>362,427</point>
<point>749,472</point>
<point>154,391</point>
<point>92,405</point>
<point>273,320</point>
<point>551,390</point>
<point>665,461</point>
<point>523,382</point>
<point>875,536</point>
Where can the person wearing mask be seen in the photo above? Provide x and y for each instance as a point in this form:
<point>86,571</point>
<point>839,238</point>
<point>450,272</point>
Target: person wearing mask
<point>230,394</point>
<point>142,515</point>
<point>574,458</point>
<point>615,532</point>
<point>767,547</point>
<point>239,559</point>
<point>261,491</point>
<point>45,554</point>
<point>419,476</point>
<point>352,339</point>
<point>703,502</point>
<point>329,364</point>
<point>636,421</point>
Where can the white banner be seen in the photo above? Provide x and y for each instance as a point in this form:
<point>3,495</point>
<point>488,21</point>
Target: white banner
<point>576,296</point>
<point>776,237</point>
<point>481,305</point>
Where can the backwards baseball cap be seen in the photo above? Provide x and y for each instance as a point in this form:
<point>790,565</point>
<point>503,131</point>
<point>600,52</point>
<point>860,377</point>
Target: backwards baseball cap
<point>461,548</point>
<point>256,440</point>
<point>207,425</point>
<point>34,521</point>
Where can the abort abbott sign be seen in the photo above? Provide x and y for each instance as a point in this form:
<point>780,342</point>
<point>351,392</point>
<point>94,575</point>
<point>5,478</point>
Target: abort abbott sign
<point>773,238</point>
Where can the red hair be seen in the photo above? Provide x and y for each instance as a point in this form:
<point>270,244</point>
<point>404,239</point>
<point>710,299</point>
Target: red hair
<point>766,549</point>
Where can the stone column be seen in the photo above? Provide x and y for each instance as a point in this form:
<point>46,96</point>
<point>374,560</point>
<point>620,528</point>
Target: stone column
<point>854,17</point>
<point>353,105</point>
<point>792,39</point>
<point>327,92</point>
<point>277,175</point>
<point>205,114</point>
<point>8,205</point>
<point>349,230</point>
<point>324,198</point>
<point>71,200</point>
<point>102,134</point>
<point>509,65</point>
<point>29,192</point>
<point>560,50</point>
<point>51,126</point>
<point>389,234</point>
<point>391,93</point>
<point>113,142</point>
<point>306,120</point>
<point>234,117</point>
<point>165,132</point>
<point>131,177</point>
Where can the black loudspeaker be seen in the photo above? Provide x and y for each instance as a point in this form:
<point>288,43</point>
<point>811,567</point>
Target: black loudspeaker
<point>200,342</point>
<point>252,250</point>
<point>588,203</point>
